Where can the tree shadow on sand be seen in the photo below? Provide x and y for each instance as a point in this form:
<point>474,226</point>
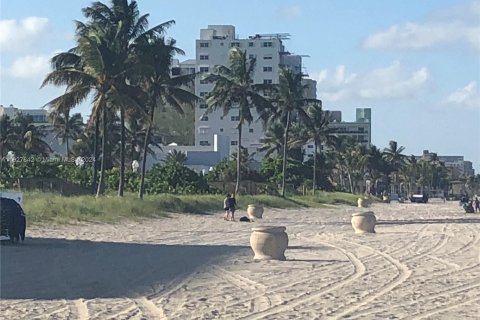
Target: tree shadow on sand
<point>44,268</point>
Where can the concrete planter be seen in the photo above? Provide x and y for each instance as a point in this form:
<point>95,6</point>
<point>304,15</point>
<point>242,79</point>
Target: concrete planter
<point>269,243</point>
<point>386,199</point>
<point>254,211</point>
<point>364,222</point>
<point>363,202</point>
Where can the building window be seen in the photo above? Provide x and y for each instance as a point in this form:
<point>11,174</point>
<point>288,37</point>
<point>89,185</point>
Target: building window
<point>204,57</point>
<point>234,143</point>
<point>203,81</point>
<point>250,44</point>
<point>203,106</point>
<point>203,94</point>
<point>310,146</point>
<point>204,118</point>
<point>267,44</point>
<point>250,130</point>
<point>221,129</point>
<point>267,69</point>
<point>251,56</point>
<point>203,69</point>
<point>204,143</point>
<point>268,57</point>
<point>235,44</point>
<point>235,118</point>
<point>267,81</point>
<point>204,44</point>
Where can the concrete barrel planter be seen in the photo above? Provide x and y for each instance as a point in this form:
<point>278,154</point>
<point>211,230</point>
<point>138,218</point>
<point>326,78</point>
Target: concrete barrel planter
<point>254,211</point>
<point>269,243</point>
<point>363,202</point>
<point>364,222</point>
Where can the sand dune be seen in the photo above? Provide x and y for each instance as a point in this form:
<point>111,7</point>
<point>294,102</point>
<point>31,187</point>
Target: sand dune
<point>423,263</point>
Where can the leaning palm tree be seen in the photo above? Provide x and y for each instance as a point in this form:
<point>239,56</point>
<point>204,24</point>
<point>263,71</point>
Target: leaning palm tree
<point>319,131</point>
<point>394,157</point>
<point>290,103</point>
<point>162,90</point>
<point>234,89</point>
<point>66,127</point>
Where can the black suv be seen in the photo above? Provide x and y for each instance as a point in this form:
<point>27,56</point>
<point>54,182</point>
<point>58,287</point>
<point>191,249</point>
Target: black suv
<point>13,222</point>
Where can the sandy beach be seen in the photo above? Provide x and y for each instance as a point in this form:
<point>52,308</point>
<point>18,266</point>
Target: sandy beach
<point>423,263</point>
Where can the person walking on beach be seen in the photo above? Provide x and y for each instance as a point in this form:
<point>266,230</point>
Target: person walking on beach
<point>477,205</point>
<point>229,204</point>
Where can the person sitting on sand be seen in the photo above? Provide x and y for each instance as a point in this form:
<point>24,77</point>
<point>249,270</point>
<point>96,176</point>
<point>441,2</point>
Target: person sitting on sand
<point>229,204</point>
<point>469,207</point>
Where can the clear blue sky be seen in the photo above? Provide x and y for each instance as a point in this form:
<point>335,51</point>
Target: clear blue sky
<point>415,63</point>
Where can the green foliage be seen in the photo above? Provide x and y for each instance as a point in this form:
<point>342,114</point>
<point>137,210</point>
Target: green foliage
<point>174,178</point>
<point>296,171</point>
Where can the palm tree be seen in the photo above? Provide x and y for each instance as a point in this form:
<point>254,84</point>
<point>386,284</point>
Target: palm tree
<point>394,157</point>
<point>66,128</point>
<point>289,103</point>
<point>30,137</point>
<point>175,156</point>
<point>162,90</point>
<point>318,131</point>
<point>100,64</point>
<point>234,90</point>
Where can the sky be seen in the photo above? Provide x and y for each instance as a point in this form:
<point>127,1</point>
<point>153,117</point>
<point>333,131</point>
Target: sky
<point>415,63</point>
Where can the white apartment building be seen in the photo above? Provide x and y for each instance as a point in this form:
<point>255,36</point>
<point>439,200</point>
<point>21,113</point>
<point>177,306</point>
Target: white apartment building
<point>212,49</point>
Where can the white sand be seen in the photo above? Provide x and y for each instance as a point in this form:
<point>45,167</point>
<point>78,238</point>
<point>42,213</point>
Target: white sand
<point>423,263</point>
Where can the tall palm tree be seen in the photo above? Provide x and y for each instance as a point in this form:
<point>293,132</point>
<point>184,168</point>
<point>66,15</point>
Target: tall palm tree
<point>162,89</point>
<point>127,25</point>
<point>394,157</point>
<point>318,131</point>
<point>66,128</point>
<point>290,103</point>
<point>30,137</point>
<point>234,89</point>
<point>100,64</point>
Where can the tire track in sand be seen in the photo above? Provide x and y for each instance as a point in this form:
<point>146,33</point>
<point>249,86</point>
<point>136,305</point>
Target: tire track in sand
<point>359,270</point>
<point>403,274</point>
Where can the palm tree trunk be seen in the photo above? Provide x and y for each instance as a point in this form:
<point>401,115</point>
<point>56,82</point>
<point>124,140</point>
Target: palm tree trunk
<point>350,181</point>
<point>284,165</point>
<point>104,150</point>
<point>145,148</point>
<point>67,134</point>
<point>95,156</point>
<point>121,182</point>
<point>315,168</point>
<point>239,160</point>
